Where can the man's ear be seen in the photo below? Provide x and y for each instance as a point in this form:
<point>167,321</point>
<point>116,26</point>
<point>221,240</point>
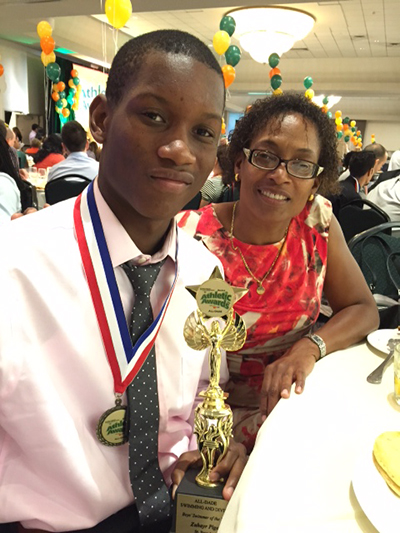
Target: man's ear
<point>98,118</point>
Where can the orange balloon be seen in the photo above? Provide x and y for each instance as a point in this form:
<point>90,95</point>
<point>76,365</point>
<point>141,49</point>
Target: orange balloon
<point>324,108</point>
<point>1,70</point>
<point>55,96</point>
<point>65,112</point>
<point>74,73</point>
<point>274,71</point>
<point>339,127</point>
<point>358,132</point>
<point>229,74</point>
<point>60,86</point>
<point>47,44</point>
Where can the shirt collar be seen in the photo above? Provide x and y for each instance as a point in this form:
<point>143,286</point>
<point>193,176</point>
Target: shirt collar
<point>120,245</point>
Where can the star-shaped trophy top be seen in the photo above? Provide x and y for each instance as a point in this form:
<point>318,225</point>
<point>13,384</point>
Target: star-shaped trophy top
<point>215,297</point>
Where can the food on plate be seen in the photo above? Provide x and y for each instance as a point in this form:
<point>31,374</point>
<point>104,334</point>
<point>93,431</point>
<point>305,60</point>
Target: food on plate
<point>386,455</point>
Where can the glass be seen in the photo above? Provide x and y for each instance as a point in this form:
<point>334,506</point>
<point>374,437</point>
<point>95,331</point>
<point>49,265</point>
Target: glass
<point>299,168</point>
<point>396,365</point>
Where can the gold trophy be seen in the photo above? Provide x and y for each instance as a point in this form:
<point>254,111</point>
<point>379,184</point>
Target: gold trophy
<point>214,325</point>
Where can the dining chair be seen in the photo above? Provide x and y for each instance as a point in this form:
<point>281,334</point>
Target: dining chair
<point>65,187</point>
<point>354,219</point>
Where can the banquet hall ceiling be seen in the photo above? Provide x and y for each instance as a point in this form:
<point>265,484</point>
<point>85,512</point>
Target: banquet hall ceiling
<point>352,51</point>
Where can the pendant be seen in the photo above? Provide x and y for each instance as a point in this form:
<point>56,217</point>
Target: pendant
<point>260,289</point>
<point>112,426</point>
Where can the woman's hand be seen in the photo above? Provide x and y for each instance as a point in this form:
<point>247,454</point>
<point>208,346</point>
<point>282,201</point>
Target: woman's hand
<point>293,367</point>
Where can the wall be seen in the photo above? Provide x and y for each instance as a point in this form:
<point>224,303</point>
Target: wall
<point>386,133</point>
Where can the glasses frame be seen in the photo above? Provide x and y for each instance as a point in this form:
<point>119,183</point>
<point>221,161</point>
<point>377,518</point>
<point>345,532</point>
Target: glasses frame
<point>249,156</point>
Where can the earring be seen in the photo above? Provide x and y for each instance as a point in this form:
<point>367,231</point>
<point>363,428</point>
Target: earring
<point>237,177</point>
<point>311,198</point>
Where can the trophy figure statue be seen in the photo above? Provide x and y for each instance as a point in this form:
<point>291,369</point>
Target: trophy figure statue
<point>215,325</point>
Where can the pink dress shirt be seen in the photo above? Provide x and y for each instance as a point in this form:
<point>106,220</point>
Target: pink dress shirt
<point>55,381</point>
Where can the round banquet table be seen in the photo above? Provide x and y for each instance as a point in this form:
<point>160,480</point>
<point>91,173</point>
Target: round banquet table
<point>299,476</point>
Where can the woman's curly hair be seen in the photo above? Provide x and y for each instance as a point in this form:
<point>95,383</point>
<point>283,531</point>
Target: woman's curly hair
<point>275,108</point>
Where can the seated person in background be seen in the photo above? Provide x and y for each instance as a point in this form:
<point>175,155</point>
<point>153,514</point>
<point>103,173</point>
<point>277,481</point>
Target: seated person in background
<point>392,172</point>
<point>282,243</point>
<point>380,159</point>
<point>32,133</point>
<point>18,144</point>
<point>77,162</point>
<point>394,162</point>
<point>361,167</point>
<point>35,146</point>
<point>386,195</point>
<point>94,151</point>
<point>50,153</point>
<point>10,139</point>
<point>214,187</point>
<point>10,195</point>
<point>159,123</point>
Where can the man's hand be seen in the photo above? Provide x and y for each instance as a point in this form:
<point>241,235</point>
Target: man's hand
<point>293,367</point>
<point>231,467</point>
<point>27,211</point>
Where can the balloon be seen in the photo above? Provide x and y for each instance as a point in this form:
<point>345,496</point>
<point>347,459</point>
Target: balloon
<point>307,82</point>
<point>339,127</point>
<point>353,129</point>
<point>228,24</point>
<point>76,81</point>
<point>70,99</point>
<point>353,123</point>
<point>223,128</point>
<point>62,93</point>
<point>232,55</point>
<point>74,107</point>
<point>47,44</point>
<point>118,12</point>
<point>273,60</point>
<point>1,70</point>
<point>44,29</point>
<point>338,121</point>
<point>221,42</point>
<point>74,73</point>
<point>58,109</point>
<point>309,94</point>
<point>72,91</point>
<point>338,114</point>
<point>347,139</point>
<point>358,132</point>
<point>47,58</point>
<point>274,71</point>
<point>329,114</point>
<point>346,120</point>
<point>61,86</point>
<point>64,102</point>
<point>55,96</point>
<point>59,104</point>
<point>339,134</point>
<point>71,83</point>
<point>229,74</point>
<point>277,92</point>
<point>65,112</point>
<point>325,100</point>
<point>276,81</point>
<point>324,108</point>
<point>53,71</point>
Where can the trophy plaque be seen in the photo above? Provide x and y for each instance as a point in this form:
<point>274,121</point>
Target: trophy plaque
<point>199,505</point>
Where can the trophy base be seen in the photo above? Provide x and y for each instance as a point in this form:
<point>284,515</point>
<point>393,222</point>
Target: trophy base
<point>197,509</point>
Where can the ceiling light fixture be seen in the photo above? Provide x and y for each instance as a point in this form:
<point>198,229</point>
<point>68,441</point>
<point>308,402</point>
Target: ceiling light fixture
<point>266,30</point>
<point>332,100</point>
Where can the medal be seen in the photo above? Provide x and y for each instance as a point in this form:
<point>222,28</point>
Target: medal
<point>112,426</point>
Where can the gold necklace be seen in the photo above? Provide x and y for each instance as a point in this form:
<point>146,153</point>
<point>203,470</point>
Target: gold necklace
<point>260,288</point>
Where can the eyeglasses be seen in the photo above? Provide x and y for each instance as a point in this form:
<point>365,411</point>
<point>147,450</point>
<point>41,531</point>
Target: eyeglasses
<point>299,168</point>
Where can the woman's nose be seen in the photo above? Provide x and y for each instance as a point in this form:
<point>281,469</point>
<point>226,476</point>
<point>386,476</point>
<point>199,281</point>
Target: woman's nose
<point>177,151</point>
<point>280,174</point>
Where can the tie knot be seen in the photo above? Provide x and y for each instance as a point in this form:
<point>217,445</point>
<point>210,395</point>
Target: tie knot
<point>142,277</point>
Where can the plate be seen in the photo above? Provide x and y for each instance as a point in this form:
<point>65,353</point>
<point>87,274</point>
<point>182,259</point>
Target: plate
<point>378,502</point>
<point>378,339</point>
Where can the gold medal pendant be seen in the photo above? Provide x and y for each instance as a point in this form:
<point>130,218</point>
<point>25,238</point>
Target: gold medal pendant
<point>112,426</point>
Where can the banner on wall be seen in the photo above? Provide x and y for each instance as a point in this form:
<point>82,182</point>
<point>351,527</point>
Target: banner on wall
<point>93,82</point>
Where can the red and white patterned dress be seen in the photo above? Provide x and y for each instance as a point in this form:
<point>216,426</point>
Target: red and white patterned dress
<point>282,315</point>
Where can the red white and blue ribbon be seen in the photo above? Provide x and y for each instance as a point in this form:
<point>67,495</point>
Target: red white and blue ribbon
<point>125,360</point>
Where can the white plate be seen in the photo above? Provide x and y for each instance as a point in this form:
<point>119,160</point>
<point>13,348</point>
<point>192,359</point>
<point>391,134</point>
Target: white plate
<point>378,502</point>
<point>378,339</point>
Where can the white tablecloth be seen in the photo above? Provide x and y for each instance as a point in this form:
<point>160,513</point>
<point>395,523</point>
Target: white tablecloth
<point>298,478</point>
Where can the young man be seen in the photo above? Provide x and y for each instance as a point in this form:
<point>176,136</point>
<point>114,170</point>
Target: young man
<point>66,301</point>
<point>75,144</point>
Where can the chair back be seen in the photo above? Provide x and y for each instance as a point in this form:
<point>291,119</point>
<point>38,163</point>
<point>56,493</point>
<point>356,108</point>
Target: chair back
<point>65,187</point>
<point>378,256</point>
<point>353,219</point>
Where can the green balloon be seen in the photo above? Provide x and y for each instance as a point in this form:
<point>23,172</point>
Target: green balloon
<point>62,94</point>
<point>276,81</point>
<point>339,134</point>
<point>353,129</point>
<point>347,138</point>
<point>72,91</point>
<point>59,104</point>
<point>76,81</point>
<point>228,24</point>
<point>232,55</point>
<point>273,60</point>
<point>308,81</point>
<point>346,120</point>
<point>329,114</point>
<point>325,100</point>
<point>53,71</point>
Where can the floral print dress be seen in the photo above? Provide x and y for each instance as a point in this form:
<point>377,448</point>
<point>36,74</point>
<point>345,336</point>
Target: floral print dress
<point>280,316</point>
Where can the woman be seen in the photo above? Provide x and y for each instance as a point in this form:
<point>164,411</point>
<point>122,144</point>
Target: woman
<point>50,153</point>
<point>282,243</point>
<point>14,192</point>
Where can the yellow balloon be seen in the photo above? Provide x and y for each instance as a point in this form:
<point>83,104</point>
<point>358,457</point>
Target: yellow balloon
<point>277,92</point>
<point>353,123</point>
<point>221,42</point>
<point>48,58</point>
<point>118,12</point>
<point>44,29</point>
<point>309,94</point>
<point>338,120</point>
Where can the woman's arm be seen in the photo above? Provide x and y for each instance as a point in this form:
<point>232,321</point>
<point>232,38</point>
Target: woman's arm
<point>354,316</point>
